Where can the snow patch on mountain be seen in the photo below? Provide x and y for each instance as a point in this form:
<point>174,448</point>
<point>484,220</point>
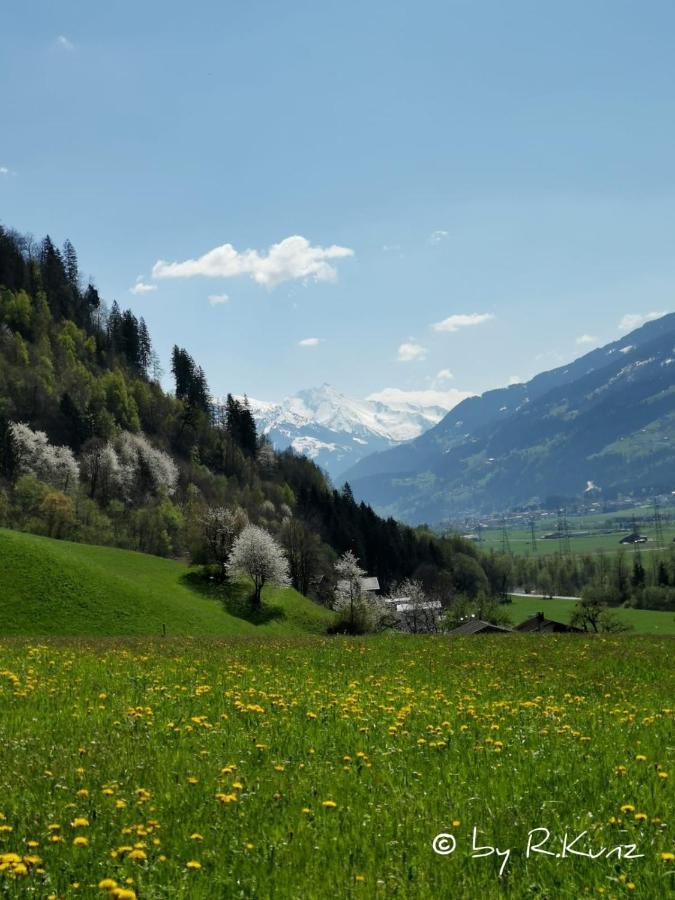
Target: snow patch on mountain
<point>337,431</point>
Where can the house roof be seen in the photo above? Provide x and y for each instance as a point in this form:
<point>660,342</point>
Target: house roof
<point>403,604</point>
<point>478,626</point>
<point>369,583</point>
<point>539,622</point>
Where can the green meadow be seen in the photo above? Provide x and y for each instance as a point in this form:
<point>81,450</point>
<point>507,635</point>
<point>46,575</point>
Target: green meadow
<point>308,767</point>
<point>64,589</point>
<point>640,621</point>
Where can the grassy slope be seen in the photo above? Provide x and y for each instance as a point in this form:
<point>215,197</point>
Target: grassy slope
<point>52,587</point>
<point>643,621</point>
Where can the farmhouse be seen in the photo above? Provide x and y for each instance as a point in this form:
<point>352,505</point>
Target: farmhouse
<point>539,623</point>
<point>478,626</point>
<point>633,538</point>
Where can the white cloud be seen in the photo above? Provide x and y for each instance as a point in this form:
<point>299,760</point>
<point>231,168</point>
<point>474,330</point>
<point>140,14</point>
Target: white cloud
<point>462,320</point>
<point>515,379</point>
<point>292,258</point>
<point>63,42</point>
<point>634,320</point>
<point>444,375</point>
<point>409,351</point>
<point>586,339</point>
<point>217,299</point>
<point>397,397</point>
<point>310,342</point>
<point>141,287</point>
<point>437,236</point>
<point>4,170</point>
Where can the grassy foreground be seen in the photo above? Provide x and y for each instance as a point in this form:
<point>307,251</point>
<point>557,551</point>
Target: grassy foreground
<point>316,766</point>
<point>59,588</point>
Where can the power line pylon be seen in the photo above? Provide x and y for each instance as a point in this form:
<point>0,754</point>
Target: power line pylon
<point>506,544</point>
<point>533,535</point>
<point>563,534</point>
<point>658,526</point>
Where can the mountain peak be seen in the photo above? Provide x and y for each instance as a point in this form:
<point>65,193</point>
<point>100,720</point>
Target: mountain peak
<point>336,430</point>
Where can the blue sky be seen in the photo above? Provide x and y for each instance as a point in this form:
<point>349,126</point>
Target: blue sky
<point>506,163</point>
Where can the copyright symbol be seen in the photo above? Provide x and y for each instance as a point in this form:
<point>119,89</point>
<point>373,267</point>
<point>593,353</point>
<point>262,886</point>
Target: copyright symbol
<point>444,844</point>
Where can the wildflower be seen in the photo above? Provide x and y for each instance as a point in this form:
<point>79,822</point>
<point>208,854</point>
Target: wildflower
<point>196,837</point>
<point>80,841</point>
<point>193,864</point>
<point>667,856</point>
<point>107,884</point>
<point>80,822</point>
<point>329,804</point>
<point>627,808</point>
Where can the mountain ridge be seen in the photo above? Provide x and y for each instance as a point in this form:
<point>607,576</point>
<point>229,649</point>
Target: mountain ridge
<point>335,430</point>
<point>492,451</point>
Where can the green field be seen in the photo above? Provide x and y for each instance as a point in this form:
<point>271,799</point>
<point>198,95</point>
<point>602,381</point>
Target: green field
<point>63,589</point>
<point>319,767</point>
<point>641,621</point>
<point>604,537</point>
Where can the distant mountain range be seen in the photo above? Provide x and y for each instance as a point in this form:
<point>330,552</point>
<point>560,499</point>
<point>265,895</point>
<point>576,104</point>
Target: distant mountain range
<point>605,422</point>
<point>337,431</point>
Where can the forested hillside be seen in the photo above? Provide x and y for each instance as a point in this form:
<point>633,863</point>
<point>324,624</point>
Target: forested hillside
<point>93,449</point>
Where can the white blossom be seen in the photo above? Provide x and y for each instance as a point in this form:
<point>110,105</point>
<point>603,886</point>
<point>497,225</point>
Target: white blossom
<point>146,469</point>
<point>255,553</point>
<point>36,456</point>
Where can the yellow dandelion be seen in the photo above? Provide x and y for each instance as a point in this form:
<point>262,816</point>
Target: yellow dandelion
<point>193,864</point>
<point>80,841</point>
<point>329,804</point>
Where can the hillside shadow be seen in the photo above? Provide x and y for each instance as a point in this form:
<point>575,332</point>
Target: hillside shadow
<point>235,598</point>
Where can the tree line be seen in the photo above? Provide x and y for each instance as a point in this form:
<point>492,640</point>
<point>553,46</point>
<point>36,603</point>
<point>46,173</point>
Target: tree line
<point>92,448</point>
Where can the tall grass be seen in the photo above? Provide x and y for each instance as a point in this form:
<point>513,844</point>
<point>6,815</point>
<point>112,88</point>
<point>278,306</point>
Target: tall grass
<point>325,767</point>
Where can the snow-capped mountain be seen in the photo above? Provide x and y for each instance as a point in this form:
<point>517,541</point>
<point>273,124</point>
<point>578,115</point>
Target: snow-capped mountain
<point>337,431</point>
